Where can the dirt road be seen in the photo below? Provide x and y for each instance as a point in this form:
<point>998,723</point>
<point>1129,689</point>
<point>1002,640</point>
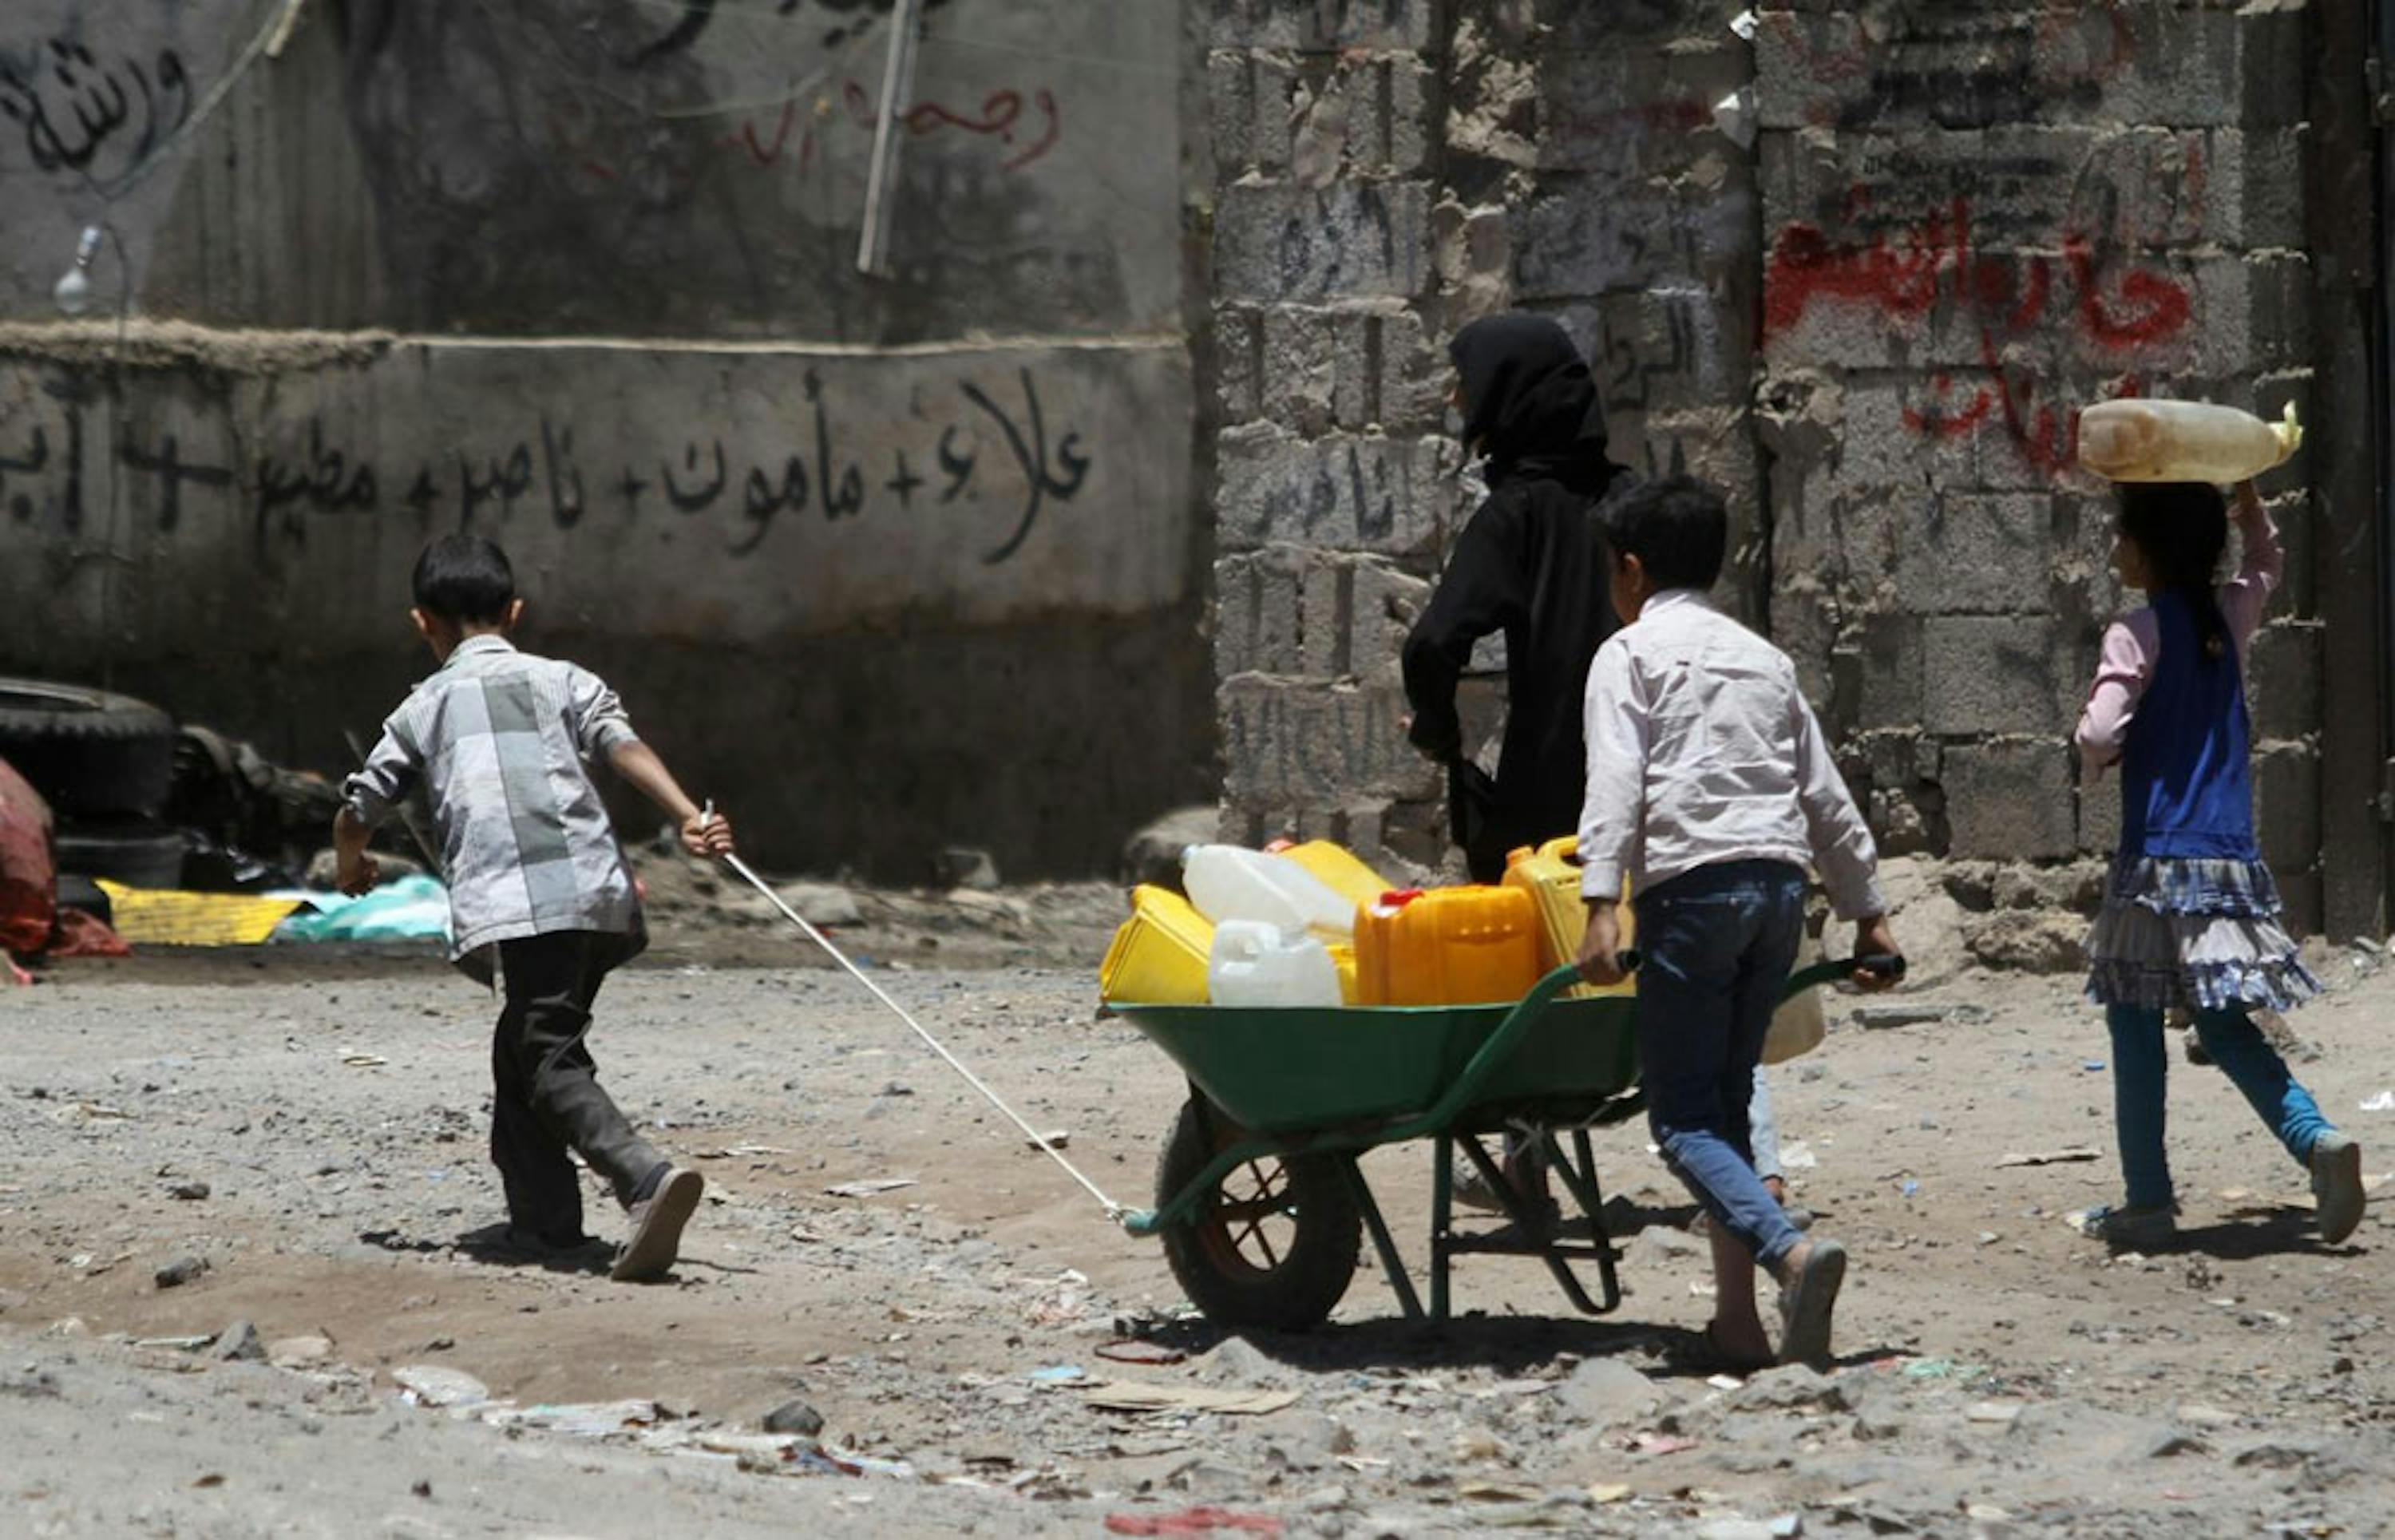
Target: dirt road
<point>1999,1374</point>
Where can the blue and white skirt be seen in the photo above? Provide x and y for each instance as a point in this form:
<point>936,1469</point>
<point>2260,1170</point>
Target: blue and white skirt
<point>2195,935</point>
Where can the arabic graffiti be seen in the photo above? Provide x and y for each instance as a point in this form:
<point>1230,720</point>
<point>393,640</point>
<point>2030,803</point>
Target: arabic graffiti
<point>305,476</point>
<point>1934,267</point>
<point>997,118</point>
<point>98,121</point>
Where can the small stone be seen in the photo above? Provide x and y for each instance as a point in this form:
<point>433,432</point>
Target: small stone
<point>191,1193</point>
<point>1606,1389</point>
<point>2174,1442</point>
<point>1661,1243</point>
<point>238,1342</point>
<point>794,1418</point>
<point>181,1270</point>
<point>69,1326</point>
<point>432,1385</point>
<point>299,1352</point>
<point>1878,1426</point>
<point>1326,1499</point>
<point>1477,1443</point>
<point>964,867</point>
<point>2200,1416</point>
<point>1791,1387</point>
<point>1994,1414</point>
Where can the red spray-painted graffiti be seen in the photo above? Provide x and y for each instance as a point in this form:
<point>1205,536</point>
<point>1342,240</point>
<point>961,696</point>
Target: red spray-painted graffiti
<point>1933,264</point>
<point>1001,115</point>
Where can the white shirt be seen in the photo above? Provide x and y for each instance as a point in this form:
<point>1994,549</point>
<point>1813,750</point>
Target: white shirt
<point>1700,751</point>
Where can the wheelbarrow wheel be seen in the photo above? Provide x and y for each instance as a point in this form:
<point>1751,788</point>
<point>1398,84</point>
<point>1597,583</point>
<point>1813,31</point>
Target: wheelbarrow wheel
<point>1274,1245</point>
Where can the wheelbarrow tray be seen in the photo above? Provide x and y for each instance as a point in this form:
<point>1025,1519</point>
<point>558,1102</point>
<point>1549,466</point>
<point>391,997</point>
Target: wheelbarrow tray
<point>1282,1071</point>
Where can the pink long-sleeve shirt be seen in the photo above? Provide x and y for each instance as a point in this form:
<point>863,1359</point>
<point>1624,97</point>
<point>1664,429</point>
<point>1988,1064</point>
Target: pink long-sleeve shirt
<point>2133,643</point>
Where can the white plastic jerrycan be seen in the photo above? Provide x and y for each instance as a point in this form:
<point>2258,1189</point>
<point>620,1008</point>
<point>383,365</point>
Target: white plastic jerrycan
<point>1230,883</point>
<point>1254,963</point>
<point>2182,441</point>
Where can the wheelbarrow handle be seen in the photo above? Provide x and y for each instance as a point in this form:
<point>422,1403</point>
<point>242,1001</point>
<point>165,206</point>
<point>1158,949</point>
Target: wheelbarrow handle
<point>1888,965</point>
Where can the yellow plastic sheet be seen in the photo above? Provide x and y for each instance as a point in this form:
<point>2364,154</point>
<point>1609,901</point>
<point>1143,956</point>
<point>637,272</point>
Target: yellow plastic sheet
<point>162,917</point>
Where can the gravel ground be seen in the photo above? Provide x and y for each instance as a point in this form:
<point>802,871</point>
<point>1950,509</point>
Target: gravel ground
<point>1998,1374</point>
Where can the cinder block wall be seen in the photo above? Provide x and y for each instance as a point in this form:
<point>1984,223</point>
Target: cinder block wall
<point>1865,301</point>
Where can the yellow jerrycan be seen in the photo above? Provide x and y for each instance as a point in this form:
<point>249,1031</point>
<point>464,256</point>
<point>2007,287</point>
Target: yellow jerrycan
<point>1550,874</point>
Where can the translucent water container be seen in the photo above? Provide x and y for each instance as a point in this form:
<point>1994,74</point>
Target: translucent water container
<point>1159,955</point>
<point>1550,874</point>
<point>1230,883</point>
<point>1254,963</point>
<point>1458,946</point>
<point>2182,441</point>
<point>1338,869</point>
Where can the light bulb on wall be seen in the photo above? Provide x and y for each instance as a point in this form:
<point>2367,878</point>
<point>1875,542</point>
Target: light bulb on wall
<point>74,293</point>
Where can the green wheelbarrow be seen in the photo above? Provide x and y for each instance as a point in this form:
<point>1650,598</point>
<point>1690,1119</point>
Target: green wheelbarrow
<point>1260,1202</point>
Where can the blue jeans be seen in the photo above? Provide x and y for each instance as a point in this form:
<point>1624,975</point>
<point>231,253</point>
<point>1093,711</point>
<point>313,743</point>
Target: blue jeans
<point>1717,944</point>
<point>2243,1053</point>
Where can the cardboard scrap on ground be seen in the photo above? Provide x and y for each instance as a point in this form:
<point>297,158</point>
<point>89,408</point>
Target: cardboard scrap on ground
<point>1149,1396</point>
<point>158,917</point>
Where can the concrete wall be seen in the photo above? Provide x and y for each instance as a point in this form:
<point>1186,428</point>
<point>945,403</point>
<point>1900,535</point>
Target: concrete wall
<point>584,276</point>
<point>1871,322</point>
<point>1978,218</point>
<point>1388,172</point>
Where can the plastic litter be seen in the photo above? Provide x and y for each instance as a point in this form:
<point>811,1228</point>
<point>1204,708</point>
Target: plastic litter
<point>413,908</point>
<point>2382,1102</point>
<point>1230,883</point>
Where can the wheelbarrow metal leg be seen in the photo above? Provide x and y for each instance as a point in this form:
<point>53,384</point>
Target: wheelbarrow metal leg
<point>1579,1177</point>
<point>1442,1204</point>
<point>1378,1227</point>
<point>1557,1254</point>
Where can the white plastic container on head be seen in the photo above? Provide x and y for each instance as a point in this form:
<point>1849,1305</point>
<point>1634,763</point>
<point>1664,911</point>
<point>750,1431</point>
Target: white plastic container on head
<point>1230,883</point>
<point>2182,441</point>
<point>1254,963</point>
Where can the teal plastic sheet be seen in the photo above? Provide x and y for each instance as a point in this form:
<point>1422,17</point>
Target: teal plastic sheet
<point>413,908</point>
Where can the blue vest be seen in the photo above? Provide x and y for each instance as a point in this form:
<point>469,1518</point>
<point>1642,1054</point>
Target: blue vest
<point>2187,779</point>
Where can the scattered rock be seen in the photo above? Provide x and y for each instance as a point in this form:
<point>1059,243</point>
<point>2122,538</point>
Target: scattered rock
<point>2174,1442</point>
<point>964,867</point>
<point>1154,853</point>
<point>1605,1390</point>
<point>300,1352</point>
<point>1878,1426</point>
<point>1239,1361</point>
<point>2201,1415</point>
<point>179,1271</point>
<point>2278,1453</point>
<point>191,1193</point>
<point>2028,940</point>
<point>823,904</point>
<point>432,1385</point>
<point>238,1342</point>
<point>68,1326</point>
<point>1659,1244</point>
<point>1992,1413</point>
<point>29,1383</point>
<point>794,1418</point>
<point>1791,1387</point>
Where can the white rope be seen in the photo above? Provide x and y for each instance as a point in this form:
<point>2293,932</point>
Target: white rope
<point>1114,1210</point>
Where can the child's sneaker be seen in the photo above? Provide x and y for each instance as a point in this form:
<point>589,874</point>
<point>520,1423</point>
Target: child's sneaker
<point>657,1220</point>
<point>2151,1227</point>
<point>2336,1183</point>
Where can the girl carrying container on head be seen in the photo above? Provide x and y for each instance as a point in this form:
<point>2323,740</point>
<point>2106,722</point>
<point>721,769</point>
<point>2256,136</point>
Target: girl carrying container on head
<point>2191,915</point>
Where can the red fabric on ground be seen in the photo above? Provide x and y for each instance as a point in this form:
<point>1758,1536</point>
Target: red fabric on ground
<point>81,934</point>
<point>28,881</point>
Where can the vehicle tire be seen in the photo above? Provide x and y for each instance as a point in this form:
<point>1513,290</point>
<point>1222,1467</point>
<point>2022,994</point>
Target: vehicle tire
<point>84,894</point>
<point>89,752</point>
<point>1277,1250</point>
<point>136,852</point>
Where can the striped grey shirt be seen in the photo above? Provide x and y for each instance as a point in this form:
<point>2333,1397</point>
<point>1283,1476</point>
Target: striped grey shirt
<point>502,741</point>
